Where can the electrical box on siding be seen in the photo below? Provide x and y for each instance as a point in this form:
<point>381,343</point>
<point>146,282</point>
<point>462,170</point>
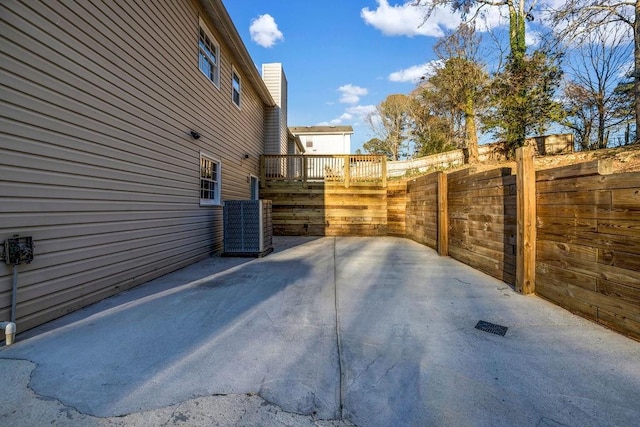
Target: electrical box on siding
<point>248,229</point>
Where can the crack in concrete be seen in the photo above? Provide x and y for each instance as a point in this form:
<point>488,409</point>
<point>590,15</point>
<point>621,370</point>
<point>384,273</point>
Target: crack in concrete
<point>364,370</point>
<point>176,416</point>
<point>338,342</point>
<point>386,373</point>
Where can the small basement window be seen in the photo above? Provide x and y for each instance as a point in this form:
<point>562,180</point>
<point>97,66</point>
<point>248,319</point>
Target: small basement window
<point>209,180</point>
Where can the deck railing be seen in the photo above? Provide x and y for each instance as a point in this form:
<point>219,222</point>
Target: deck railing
<point>347,169</point>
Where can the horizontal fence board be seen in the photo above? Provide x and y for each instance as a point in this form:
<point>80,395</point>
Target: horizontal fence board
<point>555,274</point>
<point>488,265</point>
<point>327,209</point>
<point>590,198</point>
<point>626,198</point>
<point>621,259</point>
<point>617,290</point>
<point>590,183</point>
<point>583,259</point>
<point>619,323</point>
<point>563,297</point>
<point>626,228</point>
<point>595,167</point>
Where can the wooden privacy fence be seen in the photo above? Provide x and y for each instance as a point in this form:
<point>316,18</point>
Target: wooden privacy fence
<point>344,169</point>
<point>588,243</point>
<point>569,234</point>
<point>326,208</point>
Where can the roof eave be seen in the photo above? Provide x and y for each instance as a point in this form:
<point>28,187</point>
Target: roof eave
<point>221,19</point>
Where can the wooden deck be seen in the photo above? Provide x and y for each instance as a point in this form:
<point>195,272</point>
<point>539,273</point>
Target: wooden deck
<point>343,169</point>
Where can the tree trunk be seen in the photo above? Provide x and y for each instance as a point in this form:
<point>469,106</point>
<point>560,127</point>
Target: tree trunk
<point>471,132</point>
<point>517,34</point>
<point>601,124</point>
<point>518,51</point>
<point>636,74</point>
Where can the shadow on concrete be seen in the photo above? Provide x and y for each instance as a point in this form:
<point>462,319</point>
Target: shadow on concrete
<point>413,356</point>
<point>256,327</point>
<point>409,352</point>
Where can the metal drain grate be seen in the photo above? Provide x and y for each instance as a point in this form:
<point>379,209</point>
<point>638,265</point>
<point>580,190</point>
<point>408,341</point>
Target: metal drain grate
<point>492,328</point>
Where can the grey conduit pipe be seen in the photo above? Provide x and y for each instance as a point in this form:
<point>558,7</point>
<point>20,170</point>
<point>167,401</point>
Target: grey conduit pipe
<point>14,294</point>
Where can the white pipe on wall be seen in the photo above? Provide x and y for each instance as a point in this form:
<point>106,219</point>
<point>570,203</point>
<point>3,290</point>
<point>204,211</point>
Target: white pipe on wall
<point>9,331</point>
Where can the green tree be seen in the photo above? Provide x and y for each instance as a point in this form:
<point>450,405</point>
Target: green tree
<point>390,124</point>
<point>461,84</point>
<point>377,146</point>
<point>431,128</point>
<point>520,11</point>
<point>514,98</point>
<point>523,95</point>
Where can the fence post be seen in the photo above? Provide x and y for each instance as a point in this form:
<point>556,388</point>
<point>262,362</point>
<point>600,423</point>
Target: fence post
<point>347,171</point>
<point>383,168</point>
<point>443,215</point>
<point>263,172</point>
<point>305,171</point>
<point>526,221</point>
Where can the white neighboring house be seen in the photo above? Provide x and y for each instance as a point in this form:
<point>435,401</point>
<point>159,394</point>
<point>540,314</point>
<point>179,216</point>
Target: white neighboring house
<point>324,139</point>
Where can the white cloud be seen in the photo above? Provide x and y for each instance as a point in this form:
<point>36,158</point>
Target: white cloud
<point>353,115</point>
<point>532,38</point>
<point>264,31</point>
<point>361,111</point>
<point>415,73</point>
<point>408,20</point>
<point>351,94</point>
<point>491,17</point>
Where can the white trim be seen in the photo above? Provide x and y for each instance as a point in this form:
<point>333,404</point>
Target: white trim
<point>202,25</point>
<point>217,199</point>
<point>257,184</point>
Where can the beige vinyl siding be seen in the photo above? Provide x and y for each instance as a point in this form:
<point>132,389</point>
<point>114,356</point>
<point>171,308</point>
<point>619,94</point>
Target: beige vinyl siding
<point>284,134</point>
<point>96,162</point>
<point>276,122</point>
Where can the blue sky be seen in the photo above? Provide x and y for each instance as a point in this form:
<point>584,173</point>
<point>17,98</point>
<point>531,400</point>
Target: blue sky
<point>342,58</point>
<point>337,65</point>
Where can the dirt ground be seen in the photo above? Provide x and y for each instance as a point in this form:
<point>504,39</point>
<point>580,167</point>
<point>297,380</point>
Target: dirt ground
<point>625,159</point>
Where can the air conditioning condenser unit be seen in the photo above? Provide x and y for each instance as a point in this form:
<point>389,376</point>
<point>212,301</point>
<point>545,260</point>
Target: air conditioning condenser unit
<point>248,230</point>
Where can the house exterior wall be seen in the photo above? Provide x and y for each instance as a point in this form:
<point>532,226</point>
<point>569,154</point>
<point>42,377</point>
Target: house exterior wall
<point>96,161</point>
<point>327,144</point>
<point>276,125</point>
<point>324,139</point>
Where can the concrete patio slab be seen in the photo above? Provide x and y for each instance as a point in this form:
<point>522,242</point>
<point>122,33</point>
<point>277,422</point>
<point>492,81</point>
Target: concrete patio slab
<point>325,331</point>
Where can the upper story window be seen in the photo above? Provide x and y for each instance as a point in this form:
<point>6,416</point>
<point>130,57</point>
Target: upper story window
<point>209,180</point>
<point>235,88</point>
<point>208,55</point>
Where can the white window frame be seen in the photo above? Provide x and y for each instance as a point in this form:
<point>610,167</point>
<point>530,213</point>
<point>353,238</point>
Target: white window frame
<point>212,46</point>
<point>254,187</point>
<point>234,75</point>
<point>207,181</point>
